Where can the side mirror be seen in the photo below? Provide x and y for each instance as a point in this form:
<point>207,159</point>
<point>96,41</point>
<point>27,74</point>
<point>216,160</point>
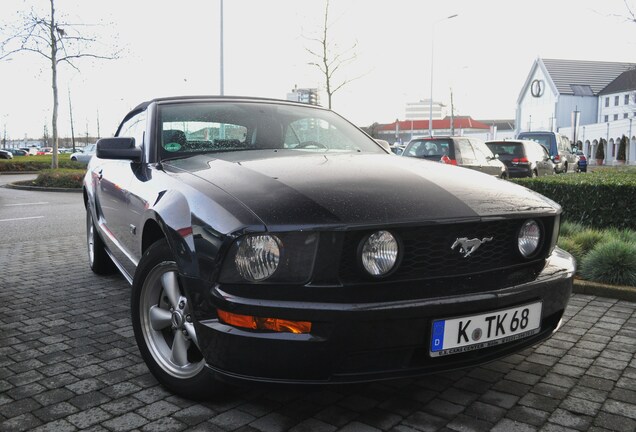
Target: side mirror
<point>384,144</point>
<point>118,148</point>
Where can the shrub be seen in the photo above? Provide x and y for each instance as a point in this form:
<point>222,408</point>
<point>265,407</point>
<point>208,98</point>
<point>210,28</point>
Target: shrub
<point>569,245</point>
<point>600,150</point>
<point>59,178</point>
<point>587,239</point>
<point>622,149</point>
<point>570,228</point>
<point>612,262</point>
<point>626,235</point>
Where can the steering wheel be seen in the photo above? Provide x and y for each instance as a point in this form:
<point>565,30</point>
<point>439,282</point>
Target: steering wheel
<point>308,144</point>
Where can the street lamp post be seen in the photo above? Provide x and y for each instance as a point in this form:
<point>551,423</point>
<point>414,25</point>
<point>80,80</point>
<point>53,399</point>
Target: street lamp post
<point>222,84</point>
<point>430,113</point>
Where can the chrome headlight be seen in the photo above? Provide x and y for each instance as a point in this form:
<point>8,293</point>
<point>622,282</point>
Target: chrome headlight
<point>280,258</point>
<point>379,253</point>
<point>529,238</point>
<point>258,256</point>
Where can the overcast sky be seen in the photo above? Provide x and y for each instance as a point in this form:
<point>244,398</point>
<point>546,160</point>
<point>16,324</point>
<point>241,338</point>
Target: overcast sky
<point>172,48</point>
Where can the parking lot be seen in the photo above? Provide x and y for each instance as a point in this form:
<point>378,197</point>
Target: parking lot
<point>68,360</point>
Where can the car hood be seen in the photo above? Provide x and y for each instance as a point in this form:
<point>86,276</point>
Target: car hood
<point>284,188</point>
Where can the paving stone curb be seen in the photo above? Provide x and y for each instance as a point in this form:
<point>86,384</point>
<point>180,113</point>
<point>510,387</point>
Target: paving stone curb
<point>620,292</point>
<point>18,172</point>
<point>39,188</point>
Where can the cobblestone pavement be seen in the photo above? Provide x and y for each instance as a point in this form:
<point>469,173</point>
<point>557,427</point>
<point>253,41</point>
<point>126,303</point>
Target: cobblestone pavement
<point>68,361</point>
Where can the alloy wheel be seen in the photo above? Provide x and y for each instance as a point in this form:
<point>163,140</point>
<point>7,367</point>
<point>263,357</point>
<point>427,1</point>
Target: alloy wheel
<point>167,325</point>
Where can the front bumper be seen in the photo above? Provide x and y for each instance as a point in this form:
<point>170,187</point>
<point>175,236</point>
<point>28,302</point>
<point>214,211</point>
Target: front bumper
<point>357,342</point>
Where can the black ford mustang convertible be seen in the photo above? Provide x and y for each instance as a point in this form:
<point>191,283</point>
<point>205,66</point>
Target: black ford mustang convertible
<point>275,242</point>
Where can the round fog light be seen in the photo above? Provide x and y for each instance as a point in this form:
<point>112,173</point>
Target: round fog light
<point>379,253</point>
<point>258,256</point>
<point>529,238</point>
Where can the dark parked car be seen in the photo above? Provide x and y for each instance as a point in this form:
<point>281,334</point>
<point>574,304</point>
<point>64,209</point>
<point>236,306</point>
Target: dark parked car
<point>523,158</point>
<point>270,241</point>
<point>558,147</point>
<point>17,152</point>
<point>462,151</point>
<point>6,154</point>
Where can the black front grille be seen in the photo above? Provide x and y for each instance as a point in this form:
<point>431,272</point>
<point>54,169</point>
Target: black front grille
<point>427,250</point>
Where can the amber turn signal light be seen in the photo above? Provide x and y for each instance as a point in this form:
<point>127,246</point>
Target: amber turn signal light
<point>256,323</point>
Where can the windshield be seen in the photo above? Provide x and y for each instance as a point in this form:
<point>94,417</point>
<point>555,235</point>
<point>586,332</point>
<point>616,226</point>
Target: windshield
<point>506,148</point>
<point>204,127</point>
<point>428,148</point>
<point>544,140</point>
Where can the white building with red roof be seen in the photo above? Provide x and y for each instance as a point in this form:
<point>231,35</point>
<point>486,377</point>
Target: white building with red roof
<point>402,131</point>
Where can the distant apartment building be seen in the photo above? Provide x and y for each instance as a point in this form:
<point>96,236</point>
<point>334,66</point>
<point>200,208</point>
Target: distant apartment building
<point>421,110</point>
<point>304,95</point>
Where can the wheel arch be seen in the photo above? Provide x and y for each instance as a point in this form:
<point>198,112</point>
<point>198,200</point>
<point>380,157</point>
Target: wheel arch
<point>152,233</point>
<point>170,218</point>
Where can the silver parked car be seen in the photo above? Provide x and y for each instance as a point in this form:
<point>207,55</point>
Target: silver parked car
<point>84,156</point>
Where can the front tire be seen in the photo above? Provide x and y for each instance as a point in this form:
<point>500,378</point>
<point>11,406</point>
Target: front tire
<point>164,331</point>
<point>98,259</point>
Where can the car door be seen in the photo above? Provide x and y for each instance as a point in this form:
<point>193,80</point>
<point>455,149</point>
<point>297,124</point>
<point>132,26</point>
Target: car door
<point>484,157</point>
<point>468,158</point>
<point>542,159</point>
<point>113,197</point>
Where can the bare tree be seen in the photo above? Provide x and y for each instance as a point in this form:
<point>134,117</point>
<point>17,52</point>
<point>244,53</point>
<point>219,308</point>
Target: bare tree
<point>328,58</point>
<point>57,42</point>
<point>631,13</point>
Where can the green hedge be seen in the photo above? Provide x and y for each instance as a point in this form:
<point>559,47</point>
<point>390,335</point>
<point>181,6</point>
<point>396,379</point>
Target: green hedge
<point>601,198</point>
<point>37,163</point>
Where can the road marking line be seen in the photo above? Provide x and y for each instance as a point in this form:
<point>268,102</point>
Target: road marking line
<point>24,218</point>
<point>23,204</point>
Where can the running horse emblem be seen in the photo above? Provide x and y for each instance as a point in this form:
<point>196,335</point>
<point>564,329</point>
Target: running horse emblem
<point>468,246</point>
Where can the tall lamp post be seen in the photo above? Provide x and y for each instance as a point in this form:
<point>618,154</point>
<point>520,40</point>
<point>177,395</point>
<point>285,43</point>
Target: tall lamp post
<point>222,84</point>
<point>430,114</point>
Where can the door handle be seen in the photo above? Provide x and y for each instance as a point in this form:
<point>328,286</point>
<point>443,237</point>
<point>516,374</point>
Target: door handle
<point>100,174</point>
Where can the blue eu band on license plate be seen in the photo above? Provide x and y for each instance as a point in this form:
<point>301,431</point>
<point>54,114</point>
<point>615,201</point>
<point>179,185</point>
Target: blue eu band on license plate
<point>456,335</point>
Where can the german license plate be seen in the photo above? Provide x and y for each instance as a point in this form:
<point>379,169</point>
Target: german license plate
<point>457,335</point>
